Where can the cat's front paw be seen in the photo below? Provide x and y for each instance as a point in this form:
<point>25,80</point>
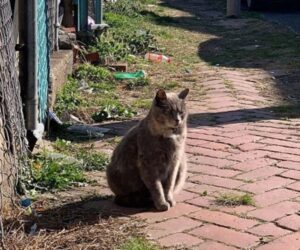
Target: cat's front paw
<point>171,200</point>
<point>163,206</point>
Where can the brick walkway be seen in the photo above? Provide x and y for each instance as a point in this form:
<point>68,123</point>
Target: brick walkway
<point>235,145</point>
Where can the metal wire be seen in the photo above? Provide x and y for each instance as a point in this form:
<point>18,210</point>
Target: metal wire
<point>13,147</point>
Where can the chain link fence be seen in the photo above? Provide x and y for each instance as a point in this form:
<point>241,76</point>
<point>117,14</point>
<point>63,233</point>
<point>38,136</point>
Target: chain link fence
<point>12,129</point>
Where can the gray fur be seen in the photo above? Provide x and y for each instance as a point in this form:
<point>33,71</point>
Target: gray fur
<point>149,164</point>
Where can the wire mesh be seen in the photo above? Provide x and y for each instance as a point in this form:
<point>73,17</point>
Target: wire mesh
<point>12,129</point>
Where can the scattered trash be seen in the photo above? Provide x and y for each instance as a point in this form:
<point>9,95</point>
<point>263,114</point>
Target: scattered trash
<point>83,85</point>
<point>93,57</point>
<point>54,117</point>
<point>157,58</point>
<point>128,75</point>
<point>39,131</point>
<point>33,229</point>
<point>94,132</point>
<point>25,202</point>
<point>188,71</point>
<point>91,21</point>
<point>73,118</point>
<point>119,67</point>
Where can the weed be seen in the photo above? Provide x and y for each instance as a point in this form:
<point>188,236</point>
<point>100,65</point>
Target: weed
<point>125,7</point>
<point>234,200</point>
<point>69,98</point>
<point>92,73</point>
<point>142,103</point>
<point>118,44</point>
<point>92,159</point>
<point>49,173</point>
<point>134,83</point>
<point>169,85</point>
<point>139,244</point>
<point>113,110</point>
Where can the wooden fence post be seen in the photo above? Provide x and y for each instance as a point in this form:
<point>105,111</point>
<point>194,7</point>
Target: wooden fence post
<point>233,8</point>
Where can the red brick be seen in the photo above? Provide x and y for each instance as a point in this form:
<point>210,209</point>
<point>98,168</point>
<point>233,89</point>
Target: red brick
<point>184,196</point>
<point>210,190</point>
<point>295,186</point>
<point>260,173</point>
<point>223,219</point>
<point>251,146</point>
<point>288,242</point>
<point>221,163</point>
<point>217,181</point>
<point>179,239</point>
<point>251,155</point>
<point>205,169</point>
<point>254,164</point>
<point>225,235</point>
<point>274,196</point>
<point>202,201</point>
<point>236,210</point>
<point>210,245</point>
<point>285,157</point>
<point>265,185</point>
<point>293,174</point>
<point>275,211</point>
<point>280,149</point>
<point>179,210</point>
<point>243,140</point>
<point>291,222</point>
<point>172,226</point>
<point>269,229</point>
<point>281,143</point>
<point>195,142</point>
<point>289,165</point>
<point>207,152</point>
<point>254,131</point>
<point>216,146</point>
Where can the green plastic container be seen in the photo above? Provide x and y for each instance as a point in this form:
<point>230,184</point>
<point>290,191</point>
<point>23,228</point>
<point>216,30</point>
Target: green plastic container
<point>130,75</point>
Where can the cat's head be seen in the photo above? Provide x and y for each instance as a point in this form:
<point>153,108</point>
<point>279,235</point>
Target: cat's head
<point>169,109</point>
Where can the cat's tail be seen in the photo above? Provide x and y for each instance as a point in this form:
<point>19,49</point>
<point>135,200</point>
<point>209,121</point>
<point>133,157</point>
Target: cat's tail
<point>134,200</point>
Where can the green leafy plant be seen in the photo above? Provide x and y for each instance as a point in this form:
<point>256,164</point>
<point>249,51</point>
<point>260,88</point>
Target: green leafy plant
<point>113,111</point>
<point>92,159</point>
<point>141,82</point>
<point>234,199</point>
<point>142,103</point>
<point>92,73</point>
<point>69,98</point>
<point>49,173</point>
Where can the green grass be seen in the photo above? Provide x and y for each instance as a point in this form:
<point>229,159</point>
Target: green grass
<point>234,200</point>
<point>139,244</point>
<point>49,173</point>
<point>92,159</point>
<point>142,103</point>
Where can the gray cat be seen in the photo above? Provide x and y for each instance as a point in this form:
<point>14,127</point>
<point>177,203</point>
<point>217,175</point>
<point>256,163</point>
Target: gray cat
<point>149,164</point>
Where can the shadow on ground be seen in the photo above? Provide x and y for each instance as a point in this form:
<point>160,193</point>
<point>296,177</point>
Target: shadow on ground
<point>246,42</point>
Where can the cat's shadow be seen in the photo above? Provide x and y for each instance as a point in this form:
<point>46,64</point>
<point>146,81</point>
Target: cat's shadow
<point>88,211</point>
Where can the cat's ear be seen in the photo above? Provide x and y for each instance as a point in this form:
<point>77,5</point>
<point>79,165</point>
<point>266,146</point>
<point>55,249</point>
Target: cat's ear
<point>161,95</point>
<point>182,95</point>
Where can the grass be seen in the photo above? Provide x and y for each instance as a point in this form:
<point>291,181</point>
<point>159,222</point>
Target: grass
<point>49,173</point>
<point>139,244</point>
<point>234,200</point>
<point>142,103</point>
<point>92,159</point>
